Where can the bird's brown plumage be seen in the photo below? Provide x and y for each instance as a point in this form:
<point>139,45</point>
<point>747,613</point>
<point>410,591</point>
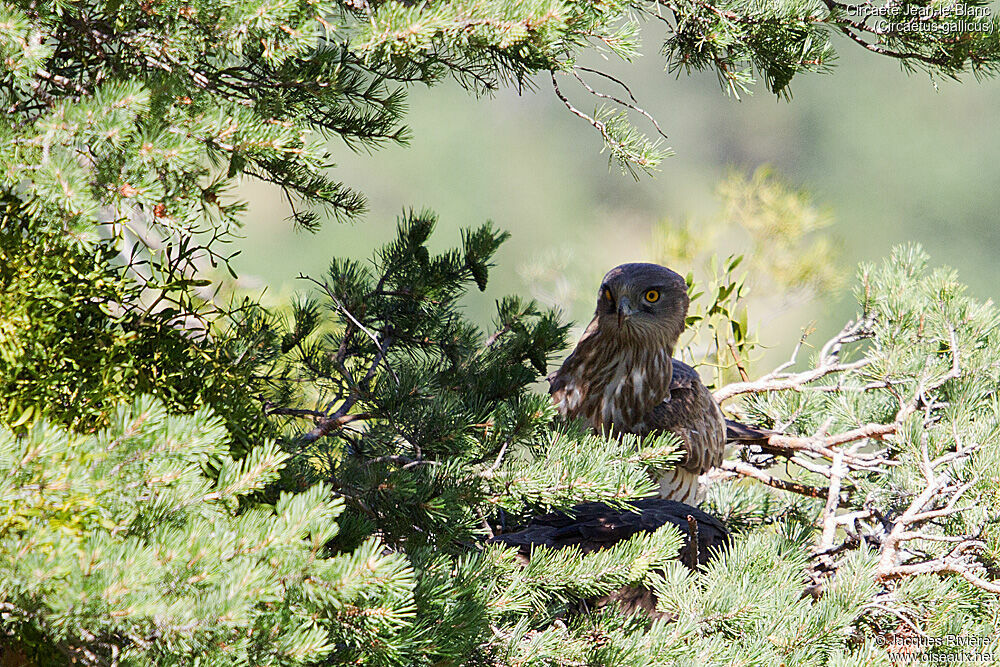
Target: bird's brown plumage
<point>621,377</point>
<point>593,526</point>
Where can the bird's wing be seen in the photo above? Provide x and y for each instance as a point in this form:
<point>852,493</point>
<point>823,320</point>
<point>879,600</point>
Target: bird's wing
<point>686,377</point>
<point>694,416</point>
<point>683,376</point>
<point>559,378</point>
<point>594,526</point>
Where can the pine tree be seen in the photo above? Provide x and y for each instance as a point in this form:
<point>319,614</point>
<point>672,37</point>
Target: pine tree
<point>187,478</point>
<point>118,548</point>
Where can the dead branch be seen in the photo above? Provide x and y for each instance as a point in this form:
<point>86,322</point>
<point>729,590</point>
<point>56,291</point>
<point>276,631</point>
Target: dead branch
<point>747,470</point>
<point>829,363</point>
<point>837,472</point>
<point>845,455</point>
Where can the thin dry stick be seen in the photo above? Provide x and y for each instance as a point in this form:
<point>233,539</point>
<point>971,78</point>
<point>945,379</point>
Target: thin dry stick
<point>837,472</point>
<point>693,556</point>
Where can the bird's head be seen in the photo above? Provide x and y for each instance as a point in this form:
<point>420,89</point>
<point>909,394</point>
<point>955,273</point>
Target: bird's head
<point>642,302</point>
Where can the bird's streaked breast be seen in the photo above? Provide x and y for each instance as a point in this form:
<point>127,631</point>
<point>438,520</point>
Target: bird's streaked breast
<point>615,387</point>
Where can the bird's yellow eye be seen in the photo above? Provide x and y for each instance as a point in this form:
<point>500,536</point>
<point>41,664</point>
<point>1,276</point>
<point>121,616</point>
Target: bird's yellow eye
<point>652,296</point>
<point>607,294</point>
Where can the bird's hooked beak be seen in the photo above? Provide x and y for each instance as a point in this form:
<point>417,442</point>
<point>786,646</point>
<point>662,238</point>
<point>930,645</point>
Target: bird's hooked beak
<point>625,310</point>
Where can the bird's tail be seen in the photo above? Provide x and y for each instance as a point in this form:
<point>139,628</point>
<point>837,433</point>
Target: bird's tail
<point>682,485</point>
<point>747,435</point>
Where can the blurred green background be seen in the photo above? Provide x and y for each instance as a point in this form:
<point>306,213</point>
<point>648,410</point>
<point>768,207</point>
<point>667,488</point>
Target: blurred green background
<point>891,156</point>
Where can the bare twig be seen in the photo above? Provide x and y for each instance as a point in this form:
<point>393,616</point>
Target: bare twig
<point>492,470</point>
<point>841,454</point>
<point>741,468</point>
<point>829,363</point>
<point>837,472</point>
<point>693,537</point>
<point>633,105</point>
<point>624,153</point>
<point>785,381</point>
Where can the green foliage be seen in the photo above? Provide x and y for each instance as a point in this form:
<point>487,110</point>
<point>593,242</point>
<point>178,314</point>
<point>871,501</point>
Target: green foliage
<point>780,261</point>
<point>560,469</point>
<point>783,226</point>
<point>116,547</point>
<point>631,149</point>
<point>768,599</point>
<point>173,530</point>
<point>750,605</point>
<point>421,420</point>
<point>776,40</point>
<point>153,109</point>
<point>918,378</point>
<point>925,336</point>
<point>426,428</point>
<point>719,314</point>
<point>77,341</point>
<point>929,332</point>
<point>145,114</point>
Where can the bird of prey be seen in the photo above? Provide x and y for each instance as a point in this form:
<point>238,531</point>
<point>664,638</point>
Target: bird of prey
<point>621,378</point>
